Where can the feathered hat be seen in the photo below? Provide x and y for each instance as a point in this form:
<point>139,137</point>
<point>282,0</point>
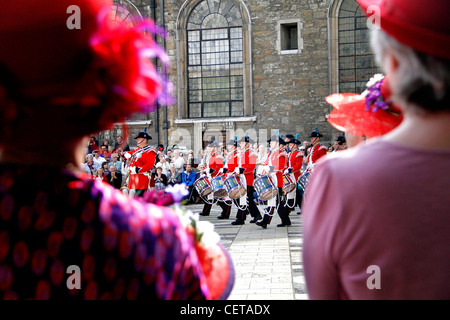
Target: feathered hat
<point>369,114</point>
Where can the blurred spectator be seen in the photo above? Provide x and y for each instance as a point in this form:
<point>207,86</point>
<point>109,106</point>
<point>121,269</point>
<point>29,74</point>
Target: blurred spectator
<point>115,161</point>
<point>163,163</point>
<point>122,144</point>
<point>160,179</point>
<point>188,178</point>
<point>105,167</point>
<point>90,166</point>
<point>174,176</point>
<point>261,160</point>
<point>100,175</point>
<point>114,177</point>
<point>93,144</point>
<point>178,161</point>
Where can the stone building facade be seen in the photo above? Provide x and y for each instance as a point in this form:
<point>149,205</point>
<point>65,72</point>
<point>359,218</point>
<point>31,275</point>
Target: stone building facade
<point>252,66</point>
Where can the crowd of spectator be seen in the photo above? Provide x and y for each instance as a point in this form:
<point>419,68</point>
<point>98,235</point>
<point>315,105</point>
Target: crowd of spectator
<point>106,162</point>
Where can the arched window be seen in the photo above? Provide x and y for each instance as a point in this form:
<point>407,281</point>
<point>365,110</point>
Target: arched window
<point>356,60</point>
<point>125,12</point>
<point>352,60</point>
<point>215,35</point>
<point>215,71</point>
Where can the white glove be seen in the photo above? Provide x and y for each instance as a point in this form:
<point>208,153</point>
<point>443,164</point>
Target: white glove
<point>286,171</point>
<point>127,155</point>
<point>133,170</point>
<point>236,170</point>
<point>139,155</point>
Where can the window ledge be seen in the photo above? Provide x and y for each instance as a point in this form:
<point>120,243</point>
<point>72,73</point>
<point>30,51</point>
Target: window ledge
<point>295,51</point>
<point>215,120</point>
<point>135,122</point>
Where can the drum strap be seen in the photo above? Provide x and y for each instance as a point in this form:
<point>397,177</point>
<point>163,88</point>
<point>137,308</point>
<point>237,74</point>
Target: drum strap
<point>291,195</point>
<point>270,211</point>
<point>244,181</point>
<point>272,202</point>
<point>243,200</point>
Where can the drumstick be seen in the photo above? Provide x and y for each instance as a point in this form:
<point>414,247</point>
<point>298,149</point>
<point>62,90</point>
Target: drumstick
<point>123,183</point>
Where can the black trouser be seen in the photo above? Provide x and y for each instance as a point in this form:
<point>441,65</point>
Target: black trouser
<point>282,210</point>
<point>139,192</point>
<point>249,208</point>
<point>226,209</point>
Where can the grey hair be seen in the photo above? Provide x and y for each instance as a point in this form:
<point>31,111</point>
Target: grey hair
<point>421,81</point>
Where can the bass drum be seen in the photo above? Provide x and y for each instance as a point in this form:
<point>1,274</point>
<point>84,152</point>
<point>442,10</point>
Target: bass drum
<point>203,186</point>
<point>265,187</point>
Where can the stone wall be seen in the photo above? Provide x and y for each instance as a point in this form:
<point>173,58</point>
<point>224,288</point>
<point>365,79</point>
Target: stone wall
<point>288,89</point>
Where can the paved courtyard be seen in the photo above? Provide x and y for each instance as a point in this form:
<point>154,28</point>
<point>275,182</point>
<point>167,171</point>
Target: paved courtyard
<point>267,261</point>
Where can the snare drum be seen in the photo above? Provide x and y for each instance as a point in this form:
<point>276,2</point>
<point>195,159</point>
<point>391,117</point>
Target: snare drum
<point>303,180</point>
<point>203,186</point>
<point>288,183</point>
<point>218,187</point>
<point>265,188</point>
<point>234,187</point>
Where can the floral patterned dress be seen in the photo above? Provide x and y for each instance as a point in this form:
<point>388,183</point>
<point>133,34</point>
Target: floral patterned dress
<point>64,236</point>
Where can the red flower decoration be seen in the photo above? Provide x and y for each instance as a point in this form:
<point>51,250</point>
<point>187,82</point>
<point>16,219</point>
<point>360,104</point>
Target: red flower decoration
<point>122,55</point>
<point>160,198</point>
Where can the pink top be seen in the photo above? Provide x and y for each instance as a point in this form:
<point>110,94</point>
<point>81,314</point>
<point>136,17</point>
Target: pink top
<point>376,222</point>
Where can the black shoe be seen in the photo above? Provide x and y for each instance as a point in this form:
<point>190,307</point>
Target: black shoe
<point>283,224</point>
<point>255,219</point>
<point>204,214</point>
<point>300,212</point>
<point>238,222</point>
<point>261,224</point>
<point>222,217</point>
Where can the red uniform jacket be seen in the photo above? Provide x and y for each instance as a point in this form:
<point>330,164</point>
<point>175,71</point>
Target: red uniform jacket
<point>315,153</point>
<point>232,161</point>
<point>278,160</point>
<point>215,162</point>
<point>143,159</point>
<point>295,161</point>
<point>247,160</point>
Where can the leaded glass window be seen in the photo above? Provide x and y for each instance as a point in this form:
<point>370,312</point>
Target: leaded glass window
<point>356,60</point>
<point>215,60</point>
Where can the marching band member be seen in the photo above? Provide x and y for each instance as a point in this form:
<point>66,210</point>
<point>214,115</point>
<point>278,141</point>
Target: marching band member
<point>247,164</point>
<point>318,150</point>
<point>228,170</point>
<point>213,166</point>
<point>294,164</point>
<point>142,160</point>
<point>277,160</point>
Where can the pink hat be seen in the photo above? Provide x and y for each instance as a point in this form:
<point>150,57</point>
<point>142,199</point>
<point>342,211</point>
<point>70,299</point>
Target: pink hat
<point>419,24</point>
